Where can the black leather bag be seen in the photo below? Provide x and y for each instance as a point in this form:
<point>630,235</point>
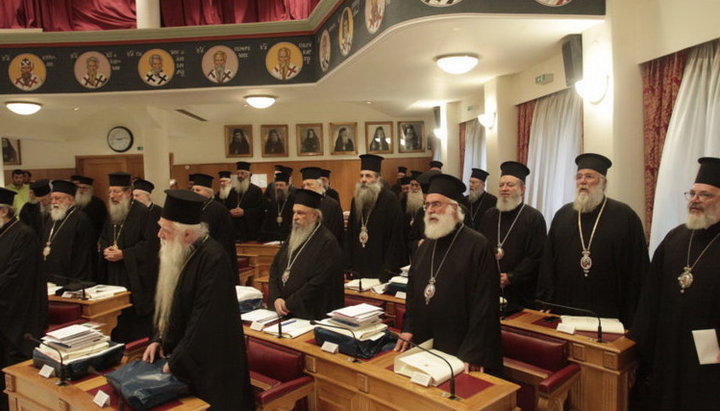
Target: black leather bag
<point>143,385</point>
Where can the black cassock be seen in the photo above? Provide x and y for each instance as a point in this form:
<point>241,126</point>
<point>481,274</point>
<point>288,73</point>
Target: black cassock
<point>315,285</point>
<point>247,226</point>
<point>415,232</point>
<point>155,213</point>
<point>204,338</point>
<point>384,249</point>
<point>220,227</point>
<point>619,262</point>
<point>137,238</point>
<point>97,213</point>
<point>332,193</point>
<point>666,318</point>
<point>71,249</point>
<point>32,217</point>
<point>523,250</point>
<point>274,229</point>
<point>333,217</point>
<point>462,317</point>
<point>23,294</point>
<point>477,209</point>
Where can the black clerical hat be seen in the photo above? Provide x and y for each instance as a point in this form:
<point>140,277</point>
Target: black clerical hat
<point>243,165</point>
<point>284,177</point>
<point>415,174</point>
<point>593,162</point>
<point>75,177</point>
<point>83,180</point>
<point>402,169</point>
<point>202,180</point>
<point>311,173</point>
<point>7,196</point>
<point>404,180</point>
<point>479,173</point>
<point>447,185</point>
<point>279,168</point>
<point>224,174</point>
<point>371,162</point>
<point>287,170</point>
<point>64,186</point>
<point>183,206</point>
<point>308,198</point>
<point>120,179</point>
<point>709,172</point>
<point>40,187</point>
<point>144,185</point>
<point>435,163</point>
<point>515,169</point>
<point>325,173</point>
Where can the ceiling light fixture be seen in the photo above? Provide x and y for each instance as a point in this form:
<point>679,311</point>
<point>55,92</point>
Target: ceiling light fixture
<point>259,101</point>
<point>24,108</point>
<point>457,63</point>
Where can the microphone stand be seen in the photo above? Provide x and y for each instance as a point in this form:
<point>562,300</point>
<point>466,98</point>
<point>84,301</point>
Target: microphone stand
<point>280,321</point>
<point>580,310</point>
<point>452,373</point>
<point>357,344</point>
<point>63,380</point>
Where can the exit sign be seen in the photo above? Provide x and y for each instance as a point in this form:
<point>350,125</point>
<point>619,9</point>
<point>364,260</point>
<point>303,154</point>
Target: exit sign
<point>544,78</point>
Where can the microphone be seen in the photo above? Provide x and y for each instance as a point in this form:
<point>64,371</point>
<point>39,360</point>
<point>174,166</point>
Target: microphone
<point>580,310</point>
<point>63,381</point>
<point>357,344</point>
<point>452,373</point>
<point>280,321</point>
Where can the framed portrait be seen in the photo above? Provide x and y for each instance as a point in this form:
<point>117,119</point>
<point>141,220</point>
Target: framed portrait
<point>309,139</point>
<point>379,137</point>
<point>238,140</point>
<point>11,151</point>
<point>410,136</point>
<point>274,138</point>
<point>344,138</point>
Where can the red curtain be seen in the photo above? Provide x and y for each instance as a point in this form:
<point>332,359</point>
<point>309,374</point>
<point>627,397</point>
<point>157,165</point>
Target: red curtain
<point>661,81</point>
<point>525,116</point>
<point>462,132</point>
<point>201,12</point>
<point>8,14</point>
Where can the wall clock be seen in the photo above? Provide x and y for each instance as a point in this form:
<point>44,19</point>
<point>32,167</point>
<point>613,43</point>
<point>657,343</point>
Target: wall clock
<point>120,139</point>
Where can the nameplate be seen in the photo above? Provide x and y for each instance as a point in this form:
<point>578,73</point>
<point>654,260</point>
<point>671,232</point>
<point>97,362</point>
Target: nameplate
<point>566,328</point>
<point>101,399</point>
<point>46,371</point>
<point>401,295</point>
<point>257,326</point>
<point>330,347</point>
<point>421,378</point>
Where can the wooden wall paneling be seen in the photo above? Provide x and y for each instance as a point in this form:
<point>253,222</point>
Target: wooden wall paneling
<point>39,174</point>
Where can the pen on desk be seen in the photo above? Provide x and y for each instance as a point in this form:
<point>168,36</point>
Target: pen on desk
<point>288,322</point>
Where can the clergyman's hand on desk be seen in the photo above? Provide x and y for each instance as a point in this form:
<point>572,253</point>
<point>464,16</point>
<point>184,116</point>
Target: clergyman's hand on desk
<point>152,352</point>
<point>403,345</point>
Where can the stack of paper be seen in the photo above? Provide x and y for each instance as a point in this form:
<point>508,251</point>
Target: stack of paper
<point>359,315</point>
<point>416,361</point>
<point>74,342</point>
<point>405,270</point>
<point>398,279</point>
<point>367,283</point>
<point>609,325</point>
<point>96,292</point>
<point>260,315</point>
<point>291,328</point>
<point>247,293</point>
<point>369,332</point>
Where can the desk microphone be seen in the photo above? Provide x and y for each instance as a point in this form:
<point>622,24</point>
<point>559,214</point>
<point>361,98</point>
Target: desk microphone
<point>452,372</point>
<point>63,381</point>
<point>580,310</point>
<point>357,344</point>
<point>280,321</point>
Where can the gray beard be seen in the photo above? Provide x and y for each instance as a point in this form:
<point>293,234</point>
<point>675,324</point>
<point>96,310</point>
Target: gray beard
<point>81,200</point>
<point>473,196</point>
<point>240,186</point>
<point>119,211</point>
<point>414,202</point>
<point>365,198</point>
<point>509,203</point>
<point>586,202</point>
<point>441,228</point>
<point>298,235</point>
<point>172,258</point>
<point>58,212</point>
<point>224,192</point>
<point>703,221</point>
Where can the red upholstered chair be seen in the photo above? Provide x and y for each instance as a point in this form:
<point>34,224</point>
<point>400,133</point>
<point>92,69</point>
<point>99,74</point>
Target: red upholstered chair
<point>134,350</point>
<point>278,376</point>
<point>399,316</point>
<point>539,364</point>
<point>62,315</point>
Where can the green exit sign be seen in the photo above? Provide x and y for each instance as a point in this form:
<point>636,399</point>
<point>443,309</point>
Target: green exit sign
<point>544,78</point>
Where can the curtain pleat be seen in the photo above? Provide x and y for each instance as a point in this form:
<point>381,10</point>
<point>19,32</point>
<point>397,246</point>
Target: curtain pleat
<point>525,115</point>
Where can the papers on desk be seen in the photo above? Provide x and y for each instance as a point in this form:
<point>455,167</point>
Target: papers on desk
<point>609,325</point>
<point>416,361</point>
<point>367,283</point>
<point>96,292</point>
<point>272,243</point>
<point>706,344</point>
<point>404,271</point>
<point>74,342</point>
<point>247,293</point>
<point>359,315</point>
<point>260,315</point>
<point>52,287</point>
<point>371,332</point>
<point>291,328</point>
<point>398,279</point>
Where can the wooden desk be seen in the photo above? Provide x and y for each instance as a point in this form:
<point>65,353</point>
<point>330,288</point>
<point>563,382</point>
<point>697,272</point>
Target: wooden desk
<point>607,368</point>
<point>369,385</point>
<point>105,310</point>
<point>28,391</point>
<point>261,255</point>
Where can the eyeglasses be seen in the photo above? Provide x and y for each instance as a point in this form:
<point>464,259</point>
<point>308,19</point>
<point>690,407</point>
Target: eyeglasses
<point>434,205</point>
<point>702,195</point>
<point>586,176</point>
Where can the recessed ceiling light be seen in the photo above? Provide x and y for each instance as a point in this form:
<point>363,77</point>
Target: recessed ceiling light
<point>457,63</point>
<point>259,101</point>
<point>24,108</point>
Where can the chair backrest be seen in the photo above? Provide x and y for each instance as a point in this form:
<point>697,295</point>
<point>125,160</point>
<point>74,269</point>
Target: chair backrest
<point>399,315</point>
<point>60,313</point>
<point>274,361</point>
<point>354,300</point>
<point>535,349</point>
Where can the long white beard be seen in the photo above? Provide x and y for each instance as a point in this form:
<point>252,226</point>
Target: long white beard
<point>444,225</point>
<point>508,203</point>
<point>58,211</point>
<point>586,202</point>
<point>703,221</point>
<point>224,192</point>
<point>298,235</point>
<point>83,199</point>
<point>172,257</point>
<point>473,196</point>
<point>365,197</point>
<point>240,186</point>
<point>414,202</point>
<point>119,211</point>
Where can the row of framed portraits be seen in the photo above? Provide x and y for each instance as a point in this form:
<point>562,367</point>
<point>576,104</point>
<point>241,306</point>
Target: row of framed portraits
<point>344,139</point>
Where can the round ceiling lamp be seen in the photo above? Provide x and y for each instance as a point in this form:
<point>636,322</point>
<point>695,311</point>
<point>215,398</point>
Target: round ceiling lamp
<point>260,101</point>
<point>457,63</point>
<point>24,108</point>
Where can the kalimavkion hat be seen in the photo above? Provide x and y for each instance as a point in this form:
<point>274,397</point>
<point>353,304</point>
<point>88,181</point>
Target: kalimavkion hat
<point>447,185</point>
<point>371,162</point>
<point>405,180</point>
<point>325,173</point>
<point>40,187</point>
<point>308,198</point>
<point>144,185</point>
<point>224,174</point>
<point>7,196</point>
<point>183,206</point>
<point>402,169</point>
<point>479,173</point>
<point>202,180</point>
<point>593,162</point>
<point>83,180</point>
<point>311,173</point>
<point>436,164</point>
<point>515,169</point>
<point>282,177</point>
<point>709,172</point>
<point>120,179</point>
<point>64,186</point>
<point>243,165</point>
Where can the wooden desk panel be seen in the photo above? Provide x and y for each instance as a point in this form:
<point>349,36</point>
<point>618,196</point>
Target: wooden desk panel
<point>105,311</point>
<point>261,255</point>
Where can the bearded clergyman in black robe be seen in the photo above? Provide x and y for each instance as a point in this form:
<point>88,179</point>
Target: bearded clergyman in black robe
<point>374,245</point>
<point>520,242</point>
<point>329,191</point>
<point>91,205</point>
<point>478,200</point>
<point>23,291</point>
<point>244,200</point>
<point>197,324</point>
<point>453,289</point>
<point>306,276</point>
<point>142,191</point>
<point>35,211</point>
<point>332,214</point>
<point>278,210</point>
<point>68,242</point>
<point>411,202</point>
<point>599,265</point>
<point>126,245</point>
<point>681,296</point>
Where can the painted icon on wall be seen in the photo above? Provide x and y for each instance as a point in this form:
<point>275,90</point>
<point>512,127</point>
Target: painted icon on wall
<point>441,3</point>
<point>92,70</point>
<point>309,139</point>
<point>325,50</point>
<point>345,36</point>
<point>374,12</point>
<point>411,136</point>
<point>11,151</point>
<point>238,140</point>
<point>379,137</point>
<point>274,140</point>
<point>345,138</point>
<point>284,60</point>
<point>220,64</point>
<point>27,72</point>
<point>156,67</point>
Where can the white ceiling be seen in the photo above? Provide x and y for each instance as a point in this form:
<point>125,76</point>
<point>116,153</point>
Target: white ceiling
<point>396,71</point>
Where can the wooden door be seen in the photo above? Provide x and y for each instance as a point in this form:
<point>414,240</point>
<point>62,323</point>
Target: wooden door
<point>98,168</point>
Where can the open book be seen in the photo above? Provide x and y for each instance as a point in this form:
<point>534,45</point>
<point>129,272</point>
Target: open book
<point>609,325</point>
<point>418,361</point>
<point>291,328</point>
<point>367,283</point>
